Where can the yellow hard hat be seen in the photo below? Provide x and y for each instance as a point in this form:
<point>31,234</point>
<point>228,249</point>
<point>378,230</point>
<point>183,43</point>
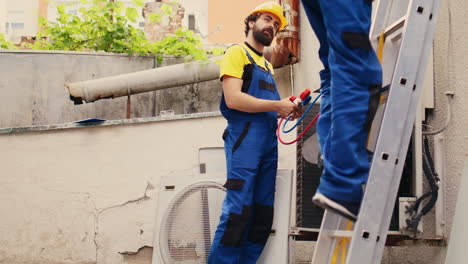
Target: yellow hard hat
<point>273,8</point>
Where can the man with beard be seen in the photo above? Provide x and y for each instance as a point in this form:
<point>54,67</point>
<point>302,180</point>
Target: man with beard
<point>350,86</point>
<point>251,105</point>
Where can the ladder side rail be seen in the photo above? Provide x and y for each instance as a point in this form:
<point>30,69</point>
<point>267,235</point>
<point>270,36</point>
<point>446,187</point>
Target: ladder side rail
<point>325,244</point>
<point>390,135</point>
<point>409,124</point>
<point>380,20</point>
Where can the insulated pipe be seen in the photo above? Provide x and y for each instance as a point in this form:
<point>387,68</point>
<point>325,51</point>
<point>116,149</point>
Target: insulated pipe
<point>143,81</point>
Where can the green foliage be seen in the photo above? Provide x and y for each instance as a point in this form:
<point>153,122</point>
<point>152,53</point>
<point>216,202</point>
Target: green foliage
<point>139,2</point>
<point>183,43</point>
<point>101,27</point>
<point>5,44</point>
<point>105,26</point>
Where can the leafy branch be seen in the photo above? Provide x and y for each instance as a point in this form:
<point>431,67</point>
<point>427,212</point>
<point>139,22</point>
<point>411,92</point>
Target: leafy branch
<point>106,26</point>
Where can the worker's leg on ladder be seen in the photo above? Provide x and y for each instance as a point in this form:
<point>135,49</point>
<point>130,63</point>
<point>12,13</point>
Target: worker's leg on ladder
<point>262,208</point>
<point>354,93</point>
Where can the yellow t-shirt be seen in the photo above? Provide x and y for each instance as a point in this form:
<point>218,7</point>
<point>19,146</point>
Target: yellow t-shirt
<point>235,59</point>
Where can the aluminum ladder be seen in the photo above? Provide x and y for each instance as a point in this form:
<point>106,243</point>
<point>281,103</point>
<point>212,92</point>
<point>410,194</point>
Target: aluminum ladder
<point>408,41</point>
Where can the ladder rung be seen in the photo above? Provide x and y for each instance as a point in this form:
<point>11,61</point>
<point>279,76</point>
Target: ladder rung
<point>395,27</point>
<point>350,233</point>
<point>339,233</point>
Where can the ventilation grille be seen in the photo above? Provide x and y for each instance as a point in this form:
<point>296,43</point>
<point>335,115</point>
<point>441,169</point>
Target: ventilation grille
<point>190,222</point>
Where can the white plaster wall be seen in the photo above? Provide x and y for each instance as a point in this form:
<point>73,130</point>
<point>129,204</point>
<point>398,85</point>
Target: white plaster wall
<point>457,248</point>
<point>85,195</point>
<point>450,68</point>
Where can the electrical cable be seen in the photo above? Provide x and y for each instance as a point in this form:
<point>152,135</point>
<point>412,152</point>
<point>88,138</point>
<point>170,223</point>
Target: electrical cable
<point>433,181</point>
<point>447,120</point>
<point>433,194</point>
<point>449,94</point>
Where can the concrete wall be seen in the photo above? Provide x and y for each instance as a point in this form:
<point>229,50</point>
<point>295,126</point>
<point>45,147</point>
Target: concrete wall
<point>33,91</point>
<point>79,195</point>
<point>450,67</point>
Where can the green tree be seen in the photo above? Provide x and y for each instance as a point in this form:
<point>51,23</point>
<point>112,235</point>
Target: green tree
<point>105,26</point>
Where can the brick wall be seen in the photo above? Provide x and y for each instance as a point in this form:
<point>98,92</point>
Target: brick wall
<point>168,25</point>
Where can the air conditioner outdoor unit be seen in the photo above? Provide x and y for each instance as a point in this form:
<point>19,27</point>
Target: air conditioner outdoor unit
<point>188,212</point>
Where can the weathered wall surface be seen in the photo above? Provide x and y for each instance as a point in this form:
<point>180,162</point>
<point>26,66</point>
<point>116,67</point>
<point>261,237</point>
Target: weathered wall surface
<point>205,96</point>
<point>89,194</point>
<point>33,91</point>
<point>450,68</point>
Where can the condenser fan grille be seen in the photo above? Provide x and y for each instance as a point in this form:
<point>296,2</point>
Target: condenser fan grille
<point>189,223</point>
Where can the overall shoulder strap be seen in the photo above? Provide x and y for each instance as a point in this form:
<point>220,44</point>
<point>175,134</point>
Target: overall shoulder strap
<point>248,54</point>
<point>266,66</point>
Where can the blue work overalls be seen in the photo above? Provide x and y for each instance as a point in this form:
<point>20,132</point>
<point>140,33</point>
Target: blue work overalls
<point>251,149</point>
<point>350,83</point>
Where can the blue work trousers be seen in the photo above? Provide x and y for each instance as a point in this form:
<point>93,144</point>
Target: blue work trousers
<point>350,82</point>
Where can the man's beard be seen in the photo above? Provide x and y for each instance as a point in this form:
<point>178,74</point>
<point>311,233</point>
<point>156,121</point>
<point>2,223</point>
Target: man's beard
<point>262,37</point>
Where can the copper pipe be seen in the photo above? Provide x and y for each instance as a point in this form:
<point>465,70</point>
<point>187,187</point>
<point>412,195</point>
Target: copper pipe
<point>285,49</point>
<point>291,35</point>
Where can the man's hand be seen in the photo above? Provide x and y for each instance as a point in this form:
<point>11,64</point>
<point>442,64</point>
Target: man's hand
<point>236,99</point>
<point>298,113</point>
<point>284,108</point>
